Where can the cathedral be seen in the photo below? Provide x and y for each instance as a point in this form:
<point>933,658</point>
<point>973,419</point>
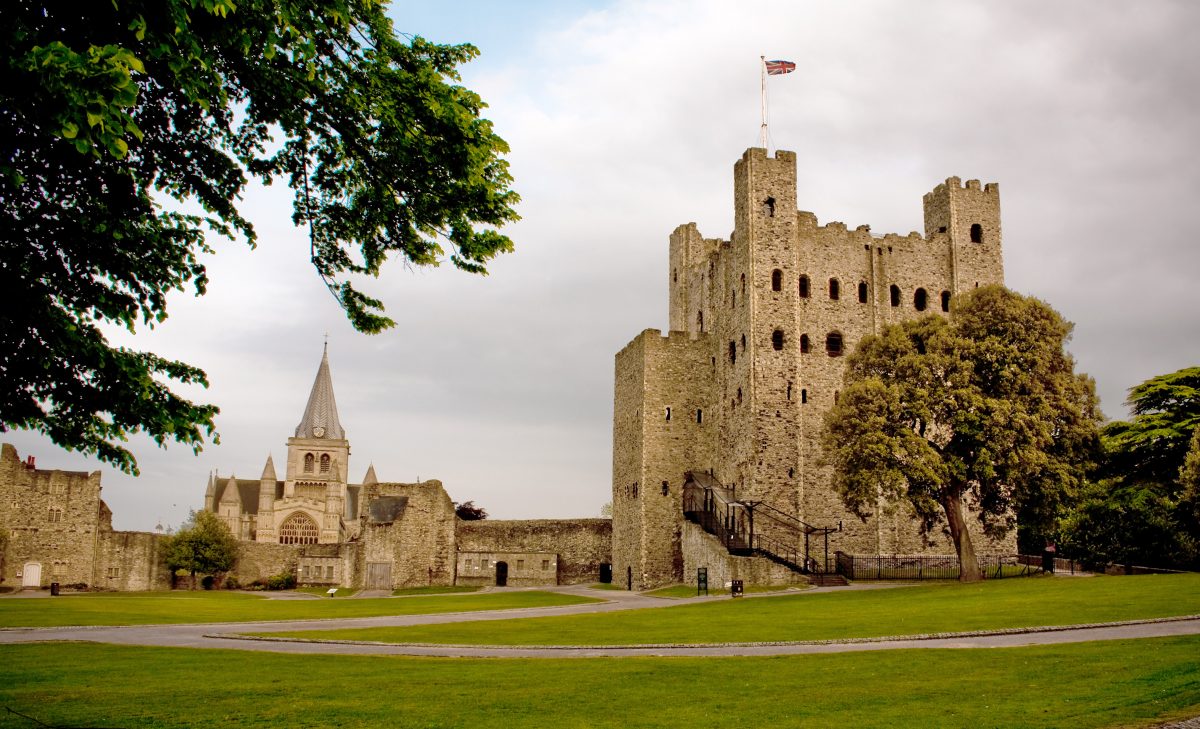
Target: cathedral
<point>313,503</point>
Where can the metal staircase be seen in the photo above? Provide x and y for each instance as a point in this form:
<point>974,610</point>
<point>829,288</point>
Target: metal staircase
<point>754,528</point>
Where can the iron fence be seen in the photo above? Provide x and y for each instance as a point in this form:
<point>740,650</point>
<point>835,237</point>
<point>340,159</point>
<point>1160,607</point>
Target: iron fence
<point>928,567</point>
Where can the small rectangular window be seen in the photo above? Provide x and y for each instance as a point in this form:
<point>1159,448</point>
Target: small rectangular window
<point>545,564</point>
<point>520,564</point>
<point>329,572</point>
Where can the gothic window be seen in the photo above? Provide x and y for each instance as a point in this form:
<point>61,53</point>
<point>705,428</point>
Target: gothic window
<point>308,462</point>
<point>976,233</point>
<point>895,291</point>
<point>804,287</point>
<point>833,344</point>
<point>803,344</point>
<point>945,301</point>
<point>835,289</point>
<point>776,280</point>
<point>862,292</point>
<point>325,463</point>
<point>298,528</point>
<point>777,339</point>
<point>920,300</point>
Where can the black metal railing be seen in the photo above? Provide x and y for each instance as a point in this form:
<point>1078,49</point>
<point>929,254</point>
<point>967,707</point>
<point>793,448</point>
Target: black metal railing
<point>753,527</point>
<point>928,567</point>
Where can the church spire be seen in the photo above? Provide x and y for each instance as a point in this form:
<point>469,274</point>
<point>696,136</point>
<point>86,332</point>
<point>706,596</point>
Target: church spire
<point>320,415</point>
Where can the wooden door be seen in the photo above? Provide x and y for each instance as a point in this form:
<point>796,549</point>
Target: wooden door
<point>379,575</point>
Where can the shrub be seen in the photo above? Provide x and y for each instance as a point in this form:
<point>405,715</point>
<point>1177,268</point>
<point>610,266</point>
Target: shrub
<point>281,581</point>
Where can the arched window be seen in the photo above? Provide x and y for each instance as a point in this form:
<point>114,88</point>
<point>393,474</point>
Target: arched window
<point>803,344</point>
<point>769,207</point>
<point>308,462</point>
<point>777,339</point>
<point>835,289</point>
<point>833,344</point>
<point>920,300</point>
<point>298,528</point>
<point>895,295</point>
<point>776,280</point>
<point>324,463</point>
<point>976,233</point>
<point>804,287</point>
<point>732,353</point>
<point>862,292</point>
<point>945,301</point>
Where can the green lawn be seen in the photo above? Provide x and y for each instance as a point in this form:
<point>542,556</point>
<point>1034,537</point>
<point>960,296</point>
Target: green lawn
<point>1101,684</point>
<point>682,591</point>
<point>138,608</point>
<point>435,590</point>
<point>934,608</point>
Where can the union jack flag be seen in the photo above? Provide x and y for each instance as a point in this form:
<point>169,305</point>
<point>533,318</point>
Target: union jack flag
<point>778,68</point>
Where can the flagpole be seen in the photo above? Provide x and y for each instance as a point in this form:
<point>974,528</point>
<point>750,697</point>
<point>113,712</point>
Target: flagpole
<point>762,62</point>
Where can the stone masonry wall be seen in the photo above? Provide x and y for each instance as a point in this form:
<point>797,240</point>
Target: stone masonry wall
<point>419,545</point>
<point>573,550</point>
<point>53,518</point>
<point>131,561</point>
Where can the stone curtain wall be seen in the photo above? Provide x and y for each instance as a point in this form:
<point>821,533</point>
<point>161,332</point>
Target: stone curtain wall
<point>131,561</point>
<point>579,545</point>
<point>419,544</point>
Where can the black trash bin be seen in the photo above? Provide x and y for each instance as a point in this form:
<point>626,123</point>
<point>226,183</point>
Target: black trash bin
<point>53,588</point>
<point>735,588</point>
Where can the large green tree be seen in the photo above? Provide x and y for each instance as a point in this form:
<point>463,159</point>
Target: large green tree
<point>203,545</point>
<point>128,132</point>
<point>1151,447</point>
<point>981,412</point>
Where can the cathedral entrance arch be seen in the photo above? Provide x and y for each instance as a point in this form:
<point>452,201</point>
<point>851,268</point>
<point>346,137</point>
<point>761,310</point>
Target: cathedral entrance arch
<point>501,574</point>
<point>31,574</point>
<point>299,528</point>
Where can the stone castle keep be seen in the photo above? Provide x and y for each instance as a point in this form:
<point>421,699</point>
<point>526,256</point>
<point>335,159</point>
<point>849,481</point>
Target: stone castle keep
<point>728,406</point>
<point>716,454</point>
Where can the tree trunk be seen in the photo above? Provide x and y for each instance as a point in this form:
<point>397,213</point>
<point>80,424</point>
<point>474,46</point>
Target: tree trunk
<point>968,563</point>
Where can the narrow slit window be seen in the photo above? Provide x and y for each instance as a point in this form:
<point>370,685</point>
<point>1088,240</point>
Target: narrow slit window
<point>700,320</point>
<point>777,280</point>
<point>666,488</point>
<point>895,291</point>
<point>668,415</point>
<point>862,292</point>
<point>732,353</point>
<point>835,289</point>
<point>789,391</point>
<point>803,344</point>
<point>804,396</point>
<point>699,417</point>
<point>777,339</point>
<point>804,287</point>
<point>920,300</point>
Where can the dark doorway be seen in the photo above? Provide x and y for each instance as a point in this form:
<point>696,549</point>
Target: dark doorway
<point>629,578</point>
<point>605,573</point>
<point>501,574</point>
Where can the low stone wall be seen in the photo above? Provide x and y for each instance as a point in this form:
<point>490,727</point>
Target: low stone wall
<point>701,549</point>
<point>581,545</point>
<point>522,569</point>
<point>260,560</point>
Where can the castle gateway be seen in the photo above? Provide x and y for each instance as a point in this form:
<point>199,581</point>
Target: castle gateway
<point>720,419</point>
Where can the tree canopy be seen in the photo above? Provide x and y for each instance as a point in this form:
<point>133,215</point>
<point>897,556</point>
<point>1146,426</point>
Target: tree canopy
<point>1151,447</point>
<point>468,511</point>
<point>203,546</point>
<point>982,409</point>
<point>128,133</point>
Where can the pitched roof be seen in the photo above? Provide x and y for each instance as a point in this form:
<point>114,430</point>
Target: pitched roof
<point>321,410</point>
<point>247,492</point>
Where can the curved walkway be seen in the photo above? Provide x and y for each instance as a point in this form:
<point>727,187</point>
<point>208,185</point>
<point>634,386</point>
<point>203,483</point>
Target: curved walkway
<point>224,635</point>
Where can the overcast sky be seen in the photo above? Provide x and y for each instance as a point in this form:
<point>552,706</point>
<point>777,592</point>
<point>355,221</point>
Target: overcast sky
<point>625,120</point>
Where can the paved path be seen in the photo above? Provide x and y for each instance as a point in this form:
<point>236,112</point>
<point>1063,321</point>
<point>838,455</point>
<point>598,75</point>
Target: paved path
<point>220,635</point>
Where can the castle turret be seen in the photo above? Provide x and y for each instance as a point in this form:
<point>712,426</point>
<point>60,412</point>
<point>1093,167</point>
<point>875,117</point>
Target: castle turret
<point>970,217</point>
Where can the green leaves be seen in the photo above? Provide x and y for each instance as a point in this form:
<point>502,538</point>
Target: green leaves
<point>104,114</point>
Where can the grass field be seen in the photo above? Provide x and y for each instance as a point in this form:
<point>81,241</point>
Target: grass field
<point>140,608</point>
<point>1102,684</point>
<point>435,590</point>
<point>936,608</point>
<point>685,591</point>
